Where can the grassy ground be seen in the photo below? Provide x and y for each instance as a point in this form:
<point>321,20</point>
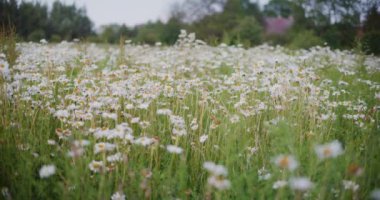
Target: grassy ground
<point>251,109</point>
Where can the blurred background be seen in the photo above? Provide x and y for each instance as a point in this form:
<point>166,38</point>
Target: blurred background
<point>342,24</point>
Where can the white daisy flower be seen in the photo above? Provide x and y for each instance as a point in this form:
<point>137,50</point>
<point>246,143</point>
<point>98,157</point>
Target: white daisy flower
<point>234,119</point>
<point>329,150</point>
<point>174,149</point>
<point>115,157</point>
<point>215,169</point>
<point>164,112</point>
<point>144,141</point>
<point>179,132</point>
<point>219,182</point>
<point>103,147</point>
<point>286,162</point>
<point>264,174</point>
<point>203,138</point>
<point>194,124</point>
<point>135,120</point>
<point>96,166</point>
<point>47,170</point>
<point>118,196</point>
<point>300,183</point>
<point>81,143</point>
<point>279,184</point>
<point>51,142</point>
<point>62,114</point>
<point>75,152</point>
<point>350,185</point>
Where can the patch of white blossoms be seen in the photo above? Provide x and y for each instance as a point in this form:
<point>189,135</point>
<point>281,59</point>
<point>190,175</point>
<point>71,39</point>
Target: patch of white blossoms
<point>123,107</point>
<point>47,171</point>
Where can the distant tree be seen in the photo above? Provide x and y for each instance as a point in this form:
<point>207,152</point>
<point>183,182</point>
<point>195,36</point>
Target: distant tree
<point>228,24</point>
<point>326,12</point>
<point>334,21</point>
<point>32,20</point>
<point>248,31</point>
<point>69,22</point>
<point>371,38</point>
<point>372,21</point>
<point>113,32</point>
<point>212,28</point>
<point>150,32</point>
<point>252,9</point>
<point>304,39</point>
<point>110,33</point>
<point>124,31</point>
<point>171,31</point>
<point>8,12</point>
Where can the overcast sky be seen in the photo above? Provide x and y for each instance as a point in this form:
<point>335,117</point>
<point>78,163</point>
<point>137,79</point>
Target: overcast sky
<point>129,12</point>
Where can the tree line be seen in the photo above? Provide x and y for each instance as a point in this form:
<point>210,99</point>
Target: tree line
<point>337,23</point>
<point>34,21</point>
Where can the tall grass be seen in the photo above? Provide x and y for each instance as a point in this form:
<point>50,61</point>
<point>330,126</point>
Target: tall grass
<point>8,39</point>
<point>245,146</point>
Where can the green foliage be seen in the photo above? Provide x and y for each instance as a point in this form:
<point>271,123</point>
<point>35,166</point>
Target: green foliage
<point>372,22</point>
<point>238,23</point>
<point>277,39</point>
<point>226,70</point>
<point>371,38</point>
<point>249,31</point>
<point>150,33</point>
<point>340,35</point>
<point>213,27</point>
<point>371,42</point>
<point>37,35</point>
<point>55,38</point>
<point>171,31</point>
<point>231,21</point>
<point>33,21</point>
<point>69,22</point>
<point>113,32</point>
<point>304,39</point>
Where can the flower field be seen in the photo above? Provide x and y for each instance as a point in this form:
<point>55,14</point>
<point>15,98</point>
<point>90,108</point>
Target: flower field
<point>189,121</point>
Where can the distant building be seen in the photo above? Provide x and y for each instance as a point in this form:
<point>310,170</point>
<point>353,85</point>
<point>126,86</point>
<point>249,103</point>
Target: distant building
<point>278,25</point>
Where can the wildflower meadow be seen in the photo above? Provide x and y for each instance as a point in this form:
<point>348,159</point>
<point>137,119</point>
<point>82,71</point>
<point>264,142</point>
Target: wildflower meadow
<point>188,121</point>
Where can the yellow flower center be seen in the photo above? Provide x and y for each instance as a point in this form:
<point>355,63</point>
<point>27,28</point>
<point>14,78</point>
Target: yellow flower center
<point>284,162</point>
<point>96,165</point>
<point>101,147</point>
<point>327,152</point>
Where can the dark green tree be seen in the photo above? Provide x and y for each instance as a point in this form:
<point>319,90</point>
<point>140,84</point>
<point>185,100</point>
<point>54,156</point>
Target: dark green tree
<point>248,31</point>
<point>171,31</point>
<point>8,13</point>
<point>32,21</point>
<point>371,38</point>
<point>69,22</point>
<point>150,33</point>
<point>229,24</point>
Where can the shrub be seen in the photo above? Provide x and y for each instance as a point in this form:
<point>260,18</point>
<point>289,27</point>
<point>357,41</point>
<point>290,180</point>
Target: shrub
<point>371,41</point>
<point>304,39</point>
<point>248,31</point>
<point>36,35</point>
